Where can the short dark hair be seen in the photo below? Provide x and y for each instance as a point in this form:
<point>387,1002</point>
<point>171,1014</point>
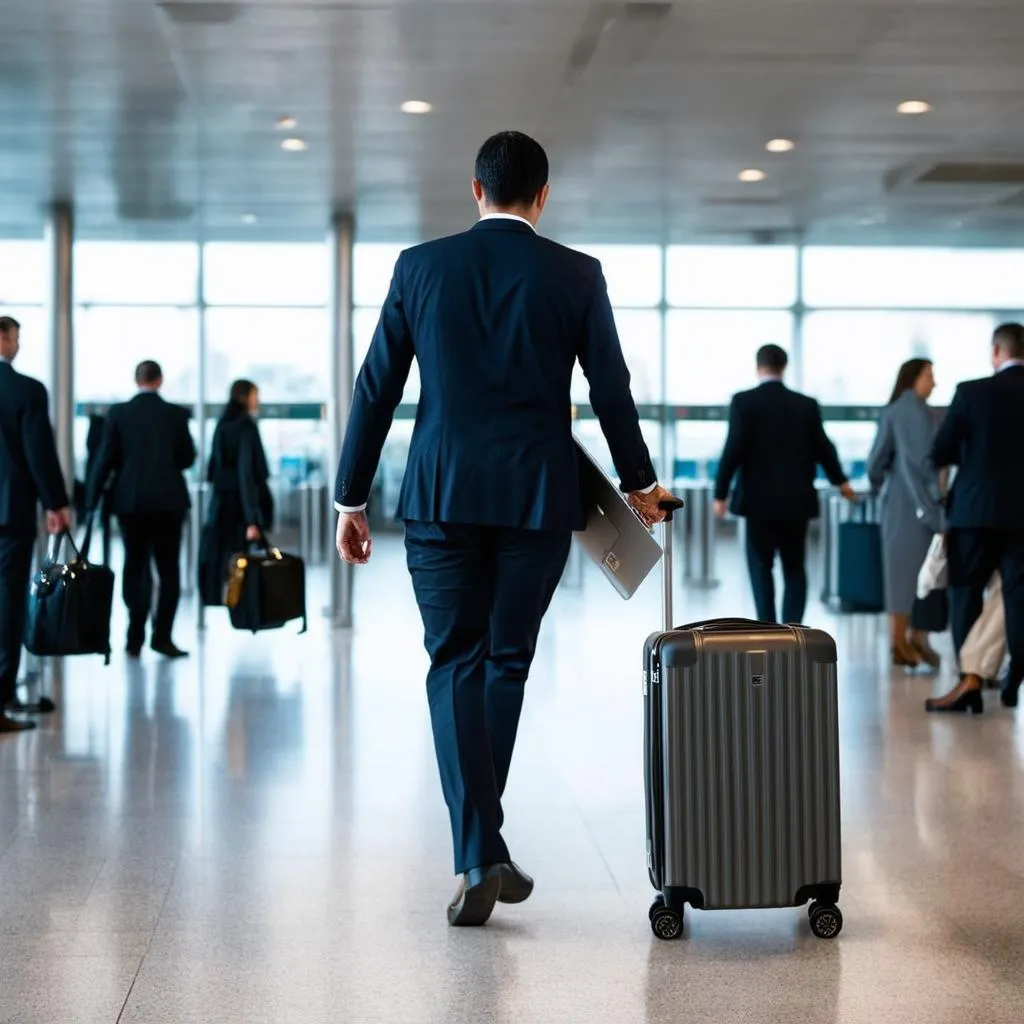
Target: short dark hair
<point>8,324</point>
<point>148,373</point>
<point>511,168</point>
<point>1010,338</point>
<point>772,358</point>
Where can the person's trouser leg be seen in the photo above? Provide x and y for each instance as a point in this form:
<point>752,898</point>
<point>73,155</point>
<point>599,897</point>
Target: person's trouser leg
<point>973,555</point>
<point>1011,569</point>
<point>137,581</point>
<point>15,570</point>
<point>761,543</point>
<point>167,530</point>
<point>529,565</point>
<point>453,577</point>
<point>792,539</point>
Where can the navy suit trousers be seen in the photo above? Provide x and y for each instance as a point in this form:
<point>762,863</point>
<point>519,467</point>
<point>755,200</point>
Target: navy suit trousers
<point>15,572</point>
<point>482,592</point>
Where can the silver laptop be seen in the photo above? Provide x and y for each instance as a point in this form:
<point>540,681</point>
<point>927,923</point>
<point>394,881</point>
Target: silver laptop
<point>615,537</point>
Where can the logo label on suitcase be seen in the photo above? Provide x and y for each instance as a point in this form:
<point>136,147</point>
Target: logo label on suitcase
<point>611,561</point>
<point>757,680</point>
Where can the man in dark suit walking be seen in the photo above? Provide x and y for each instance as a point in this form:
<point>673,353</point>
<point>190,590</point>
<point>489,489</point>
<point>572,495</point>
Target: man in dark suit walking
<point>146,448</point>
<point>983,436</point>
<point>496,317</point>
<point>30,474</point>
<point>775,443</point>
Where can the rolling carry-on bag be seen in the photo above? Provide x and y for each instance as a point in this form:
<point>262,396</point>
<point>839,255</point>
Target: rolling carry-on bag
<point>265,589</point>
<point>741,745</point>
<point>69,603</point>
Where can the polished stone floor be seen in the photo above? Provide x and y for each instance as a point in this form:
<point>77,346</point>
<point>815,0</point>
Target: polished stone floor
<point>257,836</point>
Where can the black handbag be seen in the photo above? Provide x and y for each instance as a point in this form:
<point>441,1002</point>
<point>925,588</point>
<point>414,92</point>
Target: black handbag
<point>69,603</point>
<point>265,589</point>
<point>930,614</point>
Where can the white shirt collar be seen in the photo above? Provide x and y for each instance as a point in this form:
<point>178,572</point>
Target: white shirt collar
<point>4,359</point>
<point>770,379</point>
<point>509,216</point>
<point>1009,363</point>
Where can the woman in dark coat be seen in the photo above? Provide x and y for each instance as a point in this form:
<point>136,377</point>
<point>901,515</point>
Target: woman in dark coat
<point>241,505</point>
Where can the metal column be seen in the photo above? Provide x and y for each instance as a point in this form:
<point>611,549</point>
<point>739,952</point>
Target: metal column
<point>199,504</point>
<point>60,310</point>
<point>342,241</point>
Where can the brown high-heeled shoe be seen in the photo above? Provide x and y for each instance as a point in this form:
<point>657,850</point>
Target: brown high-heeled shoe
<point>924,650</point>
<point>965,696</point>
<point>904,658</point>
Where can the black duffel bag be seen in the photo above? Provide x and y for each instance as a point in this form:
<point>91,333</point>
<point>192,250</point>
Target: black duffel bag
<point>265,588</point>
<point>69,603</point>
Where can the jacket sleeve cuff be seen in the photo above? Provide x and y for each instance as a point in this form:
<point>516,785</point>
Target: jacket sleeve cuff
<point>349,509</point>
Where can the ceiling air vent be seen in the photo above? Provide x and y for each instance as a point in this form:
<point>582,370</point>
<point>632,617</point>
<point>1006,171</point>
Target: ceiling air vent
<point>962,181</point>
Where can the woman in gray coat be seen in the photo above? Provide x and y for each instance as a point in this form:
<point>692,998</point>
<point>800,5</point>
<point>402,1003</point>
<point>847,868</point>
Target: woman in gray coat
<point>899,466</point>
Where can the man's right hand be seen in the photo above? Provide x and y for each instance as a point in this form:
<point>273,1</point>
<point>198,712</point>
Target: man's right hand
<point>847,491</point>
<point>721,507</point>
<point>58,520</point>
<point>353,538</point>
<point>646,505</point>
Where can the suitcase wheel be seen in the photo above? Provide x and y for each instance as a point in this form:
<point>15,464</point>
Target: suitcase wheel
<point>826,920</point>
<point>666,924</point>
<point>659,902</point>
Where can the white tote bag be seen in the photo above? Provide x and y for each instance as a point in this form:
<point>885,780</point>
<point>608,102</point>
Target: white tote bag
<point>934,574</point>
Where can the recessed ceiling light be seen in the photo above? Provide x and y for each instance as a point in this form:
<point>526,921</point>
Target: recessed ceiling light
<point>913,107</point>
<point>248,218</point>
<point>417,107</point>
<point>286,123</point>
<point>780,145</point>
<point>294,145</point>
<point>751,174</point>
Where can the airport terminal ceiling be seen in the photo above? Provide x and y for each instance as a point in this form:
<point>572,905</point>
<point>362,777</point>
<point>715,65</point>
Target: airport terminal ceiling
<point>160,120</point>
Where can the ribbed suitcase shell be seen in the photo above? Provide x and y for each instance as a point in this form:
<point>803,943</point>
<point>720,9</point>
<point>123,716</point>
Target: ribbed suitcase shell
<point>742,752</point>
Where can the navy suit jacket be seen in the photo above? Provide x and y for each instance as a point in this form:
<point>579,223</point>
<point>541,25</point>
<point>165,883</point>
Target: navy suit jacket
<point>30,471</point>
<point>775,443</point>
<point>983,436</point>
<point>496,318</point>
<point>146,448</point>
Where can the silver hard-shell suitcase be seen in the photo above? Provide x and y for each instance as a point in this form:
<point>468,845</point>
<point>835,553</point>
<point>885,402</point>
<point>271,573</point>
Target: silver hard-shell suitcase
<point>742,768</point>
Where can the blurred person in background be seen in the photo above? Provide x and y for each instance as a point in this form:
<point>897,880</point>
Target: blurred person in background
<point>241,505</point>
<point>899,466</point>
<point>146,449</point>
<point>776,442</point>
<point>981,436</point>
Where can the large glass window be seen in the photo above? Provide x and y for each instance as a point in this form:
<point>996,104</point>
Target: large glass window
<point>364,323</point>
<point>632,272</point>
<point>265,274</point>
<point>732,276</point>
<point>904,278</point>
<point>284,351</point>
<point>22,274</point>
<point>372,267</point>
<point>110,341</point>
<point>161,273</point>
<point>710,354</point>
<point>852,357</point>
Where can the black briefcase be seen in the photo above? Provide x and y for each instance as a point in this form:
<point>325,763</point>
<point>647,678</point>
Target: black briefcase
<point>931,614</point>
<point>69,603</point>
<point>265,589</point>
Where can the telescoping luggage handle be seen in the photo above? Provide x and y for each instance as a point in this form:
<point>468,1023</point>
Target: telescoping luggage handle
<point>670,506</point>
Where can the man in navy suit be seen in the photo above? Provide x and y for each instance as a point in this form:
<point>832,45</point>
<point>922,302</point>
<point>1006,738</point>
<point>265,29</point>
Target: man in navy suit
<point>30,473</point>
<point>496,317</point>
<point>983,436</point>
<point>775,444</point>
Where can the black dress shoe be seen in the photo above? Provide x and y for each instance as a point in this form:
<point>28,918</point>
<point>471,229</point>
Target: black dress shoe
<point>1008,695</point>
<point>965,696</point>
<point>516,884</point>
<point>43,706</point>
<point>169,650</point>
<point>476,896</point>
<point>134,652</point>
<point>9,725</point>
